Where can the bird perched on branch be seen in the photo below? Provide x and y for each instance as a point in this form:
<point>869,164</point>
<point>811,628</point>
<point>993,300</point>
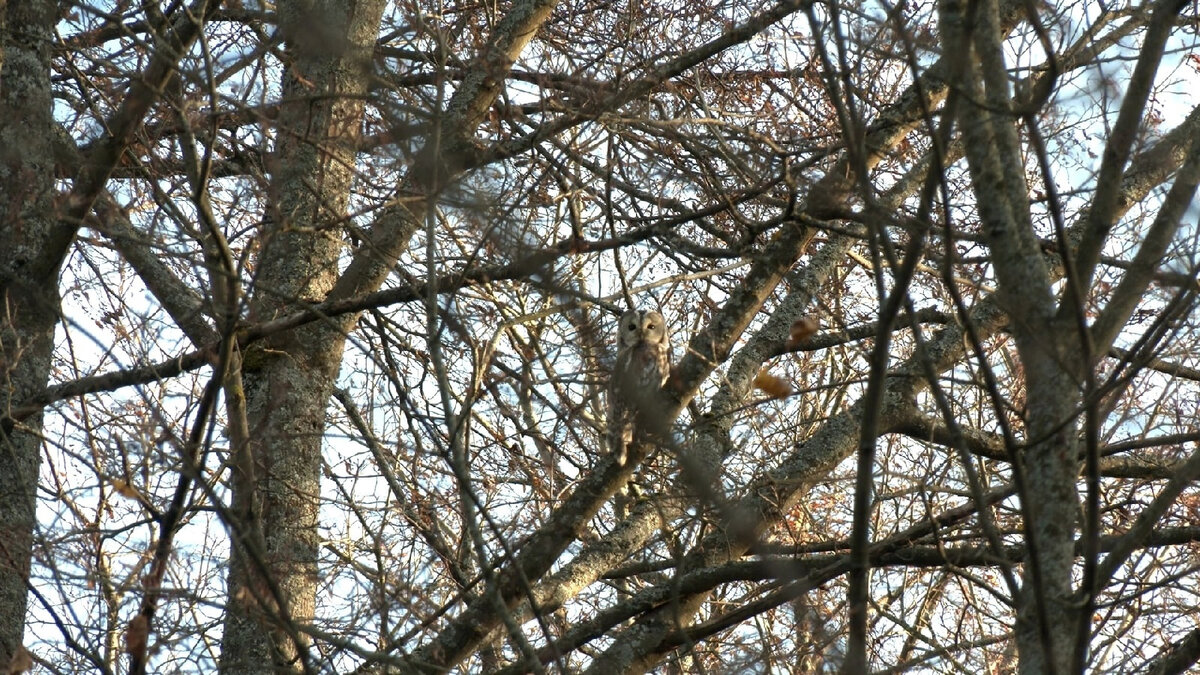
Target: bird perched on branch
<point>643,363</point>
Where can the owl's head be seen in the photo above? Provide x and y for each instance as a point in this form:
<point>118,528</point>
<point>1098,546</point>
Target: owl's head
<point>640,325</point>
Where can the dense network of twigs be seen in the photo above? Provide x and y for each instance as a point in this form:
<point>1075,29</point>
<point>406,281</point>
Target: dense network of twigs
<point>323,384</point>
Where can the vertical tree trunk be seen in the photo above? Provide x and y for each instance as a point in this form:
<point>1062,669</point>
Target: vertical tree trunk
<point>1047,613</point>
<point>1046,621</point>
<point>29,299</point>
<point>288,379</point>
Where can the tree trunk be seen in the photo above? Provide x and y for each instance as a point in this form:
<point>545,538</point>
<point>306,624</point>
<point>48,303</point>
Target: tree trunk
<point>28,289</point>
<point>288,379</point>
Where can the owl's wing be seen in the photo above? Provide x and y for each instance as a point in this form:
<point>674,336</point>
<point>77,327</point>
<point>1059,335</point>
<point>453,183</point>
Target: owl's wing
<point>621,415</point>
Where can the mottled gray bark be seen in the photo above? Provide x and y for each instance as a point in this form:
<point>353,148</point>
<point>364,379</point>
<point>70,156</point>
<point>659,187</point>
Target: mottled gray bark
<point>1056,348</point>
<point>288,378</point>
<point>36,231</point>
<point>1046,618</point>
<point>29,298</point>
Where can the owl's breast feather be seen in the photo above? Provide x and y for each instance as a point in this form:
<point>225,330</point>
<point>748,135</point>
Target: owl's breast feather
<point>644,354</point>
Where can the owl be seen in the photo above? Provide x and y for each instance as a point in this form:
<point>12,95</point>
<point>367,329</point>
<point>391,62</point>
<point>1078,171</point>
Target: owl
<point>643,363</point>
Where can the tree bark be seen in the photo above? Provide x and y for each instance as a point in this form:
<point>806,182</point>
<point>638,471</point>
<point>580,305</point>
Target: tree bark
<point>28,289</point>
<point>288,378</point>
